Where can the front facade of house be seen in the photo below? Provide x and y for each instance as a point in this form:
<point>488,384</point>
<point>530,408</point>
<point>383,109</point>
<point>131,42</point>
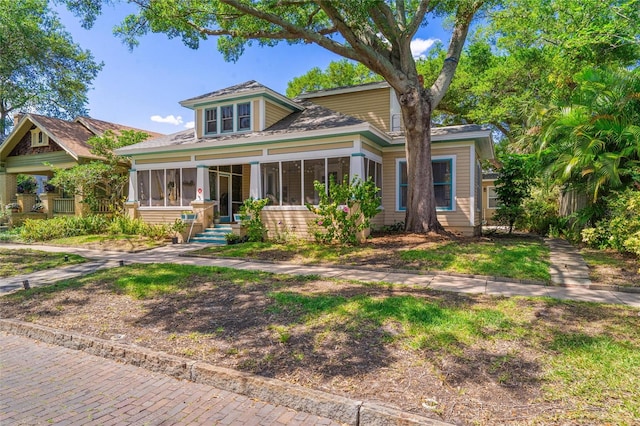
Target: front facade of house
<point>250,141</point>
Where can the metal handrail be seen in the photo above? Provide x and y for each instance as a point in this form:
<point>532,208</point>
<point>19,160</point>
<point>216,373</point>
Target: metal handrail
<point>215,203</point>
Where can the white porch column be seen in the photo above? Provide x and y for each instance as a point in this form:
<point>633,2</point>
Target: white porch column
<point>202,183</point>
<point>254,180</point>
<point>133,186</point>
<point>357,166</point>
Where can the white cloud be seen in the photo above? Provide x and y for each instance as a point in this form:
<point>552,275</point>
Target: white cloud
<point>169,119</point>
<point>420,46</point>
<point>189,124</point>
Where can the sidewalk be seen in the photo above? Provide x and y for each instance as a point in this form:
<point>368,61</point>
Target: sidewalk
<point>461,284</point>
<point>44,384</point>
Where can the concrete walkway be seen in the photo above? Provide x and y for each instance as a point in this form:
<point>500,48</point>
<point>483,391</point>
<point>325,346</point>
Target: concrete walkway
<point>568,267</point>
<point>569,288</point>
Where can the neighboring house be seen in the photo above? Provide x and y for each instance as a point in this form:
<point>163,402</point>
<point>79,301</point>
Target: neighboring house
<point>38,143</point>
<point>250,141</point>
<point>490,200</point>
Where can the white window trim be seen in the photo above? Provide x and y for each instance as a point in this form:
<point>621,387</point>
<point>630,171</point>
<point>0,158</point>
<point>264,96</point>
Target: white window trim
<point>454,168</point>
<point>488,198</point>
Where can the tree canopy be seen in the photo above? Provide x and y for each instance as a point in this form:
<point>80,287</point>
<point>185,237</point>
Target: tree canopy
<point>41,68</point>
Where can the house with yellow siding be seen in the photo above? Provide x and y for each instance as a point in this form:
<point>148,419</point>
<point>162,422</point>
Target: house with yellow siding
<point>250,141</point>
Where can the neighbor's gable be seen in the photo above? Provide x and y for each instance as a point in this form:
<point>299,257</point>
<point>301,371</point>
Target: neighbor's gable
<point>28,145</point>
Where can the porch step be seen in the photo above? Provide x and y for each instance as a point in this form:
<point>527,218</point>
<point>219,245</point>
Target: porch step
<point>215,235</point>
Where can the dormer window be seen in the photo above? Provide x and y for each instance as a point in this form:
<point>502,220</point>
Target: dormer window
<point>244,116</point>
<point>211,121</point>
<point>227,118</point>
<point>233,118</point>
<point>38,138</point>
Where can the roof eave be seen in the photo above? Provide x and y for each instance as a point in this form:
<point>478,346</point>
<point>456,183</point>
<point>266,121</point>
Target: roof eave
<point>195,102</point>
<point>363,128</point>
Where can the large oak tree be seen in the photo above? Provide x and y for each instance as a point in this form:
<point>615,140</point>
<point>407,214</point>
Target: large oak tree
<point>375,33</point>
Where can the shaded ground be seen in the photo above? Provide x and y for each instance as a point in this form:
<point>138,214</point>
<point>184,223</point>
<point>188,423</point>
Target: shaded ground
<point>608,267</point>
<point>460,358</point>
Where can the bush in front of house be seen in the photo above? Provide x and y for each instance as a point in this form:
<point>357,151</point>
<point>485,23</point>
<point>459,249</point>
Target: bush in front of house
<point>73,226</point>
<point>344,211</point>
<point>620,228</point>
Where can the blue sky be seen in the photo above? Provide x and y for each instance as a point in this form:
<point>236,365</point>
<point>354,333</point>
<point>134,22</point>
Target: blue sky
<point>142,88</point>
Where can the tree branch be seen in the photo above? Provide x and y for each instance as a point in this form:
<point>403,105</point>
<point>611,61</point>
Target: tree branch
<point>413,26</point>
<point>458,37</point>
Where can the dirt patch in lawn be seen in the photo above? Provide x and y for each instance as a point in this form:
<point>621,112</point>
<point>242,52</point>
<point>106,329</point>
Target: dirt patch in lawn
<point>309,332</point>
<point>608,267</point>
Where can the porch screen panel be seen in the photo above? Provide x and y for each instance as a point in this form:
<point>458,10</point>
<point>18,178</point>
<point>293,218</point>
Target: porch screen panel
<point>188,186</point>
<point>271,182</point>
<point>157,188</point>
<point>313,170</point>
<point>173,187</point>
<point>144,189</point>
<point>291,183</point>
<point>339,169</point>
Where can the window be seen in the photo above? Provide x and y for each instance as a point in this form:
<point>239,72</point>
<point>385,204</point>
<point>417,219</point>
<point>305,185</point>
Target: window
<point>291,183</point>
<point>493,202</point>
<point>211,121</point>
<point>442,183</point>
<point>38,138</point>
<point>226,112</point>
<point>403,185</point>
<point>244,116</point>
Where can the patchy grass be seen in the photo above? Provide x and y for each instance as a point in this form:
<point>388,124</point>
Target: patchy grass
<point>521,258</point>
<point>609,267</point>
<point>24,261</point>
<point>109,242</point>
<point>524,259</point>
<point>480,357</point>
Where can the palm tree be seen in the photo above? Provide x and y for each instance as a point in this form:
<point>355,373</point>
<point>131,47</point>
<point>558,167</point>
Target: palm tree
<point>592,143</point>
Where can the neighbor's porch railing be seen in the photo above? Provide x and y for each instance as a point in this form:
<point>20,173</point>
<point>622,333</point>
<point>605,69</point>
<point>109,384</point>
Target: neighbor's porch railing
<point>103,206</point>
<point>64,205</point>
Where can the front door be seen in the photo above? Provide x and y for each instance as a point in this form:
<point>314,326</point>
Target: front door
<point>225,183</point>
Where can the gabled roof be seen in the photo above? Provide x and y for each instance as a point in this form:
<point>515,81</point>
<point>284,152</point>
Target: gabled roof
<point>239,91</point>
<point>71,136</point>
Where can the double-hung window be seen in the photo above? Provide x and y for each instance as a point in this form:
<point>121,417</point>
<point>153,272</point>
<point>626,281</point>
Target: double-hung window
<point>443,183</point>
<point>226,113</point>
<point>244,116</point>
<point>227,118</point>
<point>493,202</point>
<point>211,121</point>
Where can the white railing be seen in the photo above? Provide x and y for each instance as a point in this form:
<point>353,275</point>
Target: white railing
<point>64,205</point>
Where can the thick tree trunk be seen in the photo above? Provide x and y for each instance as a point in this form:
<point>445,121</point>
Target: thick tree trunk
<point>421,201</point>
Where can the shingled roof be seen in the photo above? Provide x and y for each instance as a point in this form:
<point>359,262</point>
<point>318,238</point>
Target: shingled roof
<point>312,117</point>
<point>72,136</point>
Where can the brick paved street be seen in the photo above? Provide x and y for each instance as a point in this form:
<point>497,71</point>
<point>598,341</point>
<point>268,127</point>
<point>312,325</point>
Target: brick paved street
<point>41,384</point>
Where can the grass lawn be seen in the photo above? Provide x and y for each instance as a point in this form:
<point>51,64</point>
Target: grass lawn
<point>459,358</point>
<point>521,258</point>
<point>17,262</point>
<point>109,242</point>
<point>612,268</point>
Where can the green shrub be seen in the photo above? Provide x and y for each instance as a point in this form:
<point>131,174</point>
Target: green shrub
<point>61,227</point>
<point>344,211</point>
<point>251,219</point>
<point>620,227</point>
<point>540,212</point>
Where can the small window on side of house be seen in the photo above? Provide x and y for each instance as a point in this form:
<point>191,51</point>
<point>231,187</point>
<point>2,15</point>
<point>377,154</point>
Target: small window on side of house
<point>244,116</point>
<point>210,121</point>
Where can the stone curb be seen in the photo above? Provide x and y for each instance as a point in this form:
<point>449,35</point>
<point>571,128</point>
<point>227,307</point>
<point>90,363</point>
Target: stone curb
<point>269,390</point>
